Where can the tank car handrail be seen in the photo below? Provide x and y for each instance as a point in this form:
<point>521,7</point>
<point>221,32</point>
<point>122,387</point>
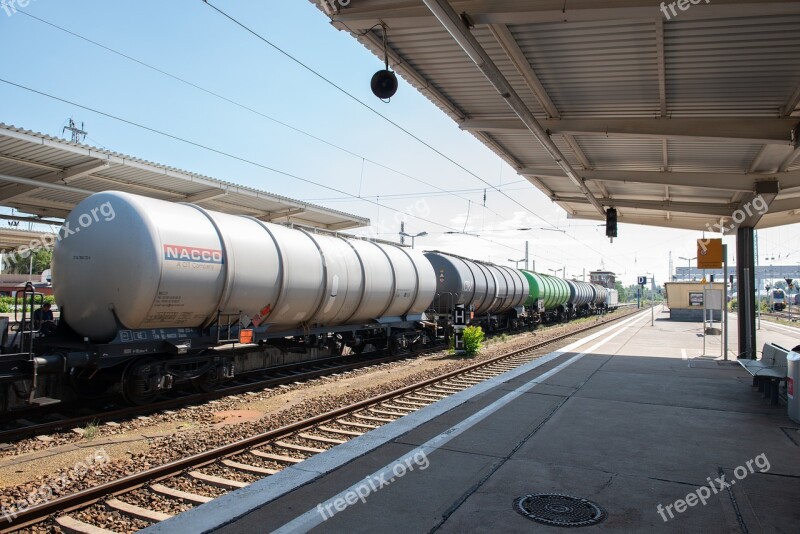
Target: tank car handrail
<point>482,262</point>
<point>337,233</point>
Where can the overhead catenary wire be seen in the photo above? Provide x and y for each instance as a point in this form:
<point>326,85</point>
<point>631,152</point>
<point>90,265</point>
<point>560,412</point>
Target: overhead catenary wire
<point>389,120</point>
<point>421,194</point>
<point>367,106</point>
<point>238,158</point>
<point>249,109</point>
<point>240,105</point>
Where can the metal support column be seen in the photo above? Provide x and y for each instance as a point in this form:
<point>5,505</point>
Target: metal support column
<point>745,272</point>
<point>725,302</point>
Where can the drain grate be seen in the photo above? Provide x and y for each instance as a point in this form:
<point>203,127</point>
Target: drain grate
<point>559,510</point>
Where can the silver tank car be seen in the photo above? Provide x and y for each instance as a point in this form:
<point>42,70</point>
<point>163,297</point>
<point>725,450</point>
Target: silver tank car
<point>488,288</point>
<point>601,295</point>
<point>158,264</point>
<point>580,293</point>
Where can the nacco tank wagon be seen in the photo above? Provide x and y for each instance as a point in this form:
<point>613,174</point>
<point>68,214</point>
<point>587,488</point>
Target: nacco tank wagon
<point>158,294</point>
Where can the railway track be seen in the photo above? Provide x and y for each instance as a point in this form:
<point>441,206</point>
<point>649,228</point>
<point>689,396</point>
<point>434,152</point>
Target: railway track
<point>16,426</point>
<point>154,495</point>
<point>784,315</point>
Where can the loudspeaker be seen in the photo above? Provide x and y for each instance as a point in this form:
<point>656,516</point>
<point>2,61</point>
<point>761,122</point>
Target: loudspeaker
<point>384,84</point>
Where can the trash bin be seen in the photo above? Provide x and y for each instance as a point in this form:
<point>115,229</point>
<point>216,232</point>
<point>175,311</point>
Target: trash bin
<point>792,383</point>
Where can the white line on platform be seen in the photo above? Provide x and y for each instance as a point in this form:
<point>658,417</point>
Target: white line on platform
<point>312,518</point>
<point>231,506</point>
<point>684,355</point>
<point>781,327</point>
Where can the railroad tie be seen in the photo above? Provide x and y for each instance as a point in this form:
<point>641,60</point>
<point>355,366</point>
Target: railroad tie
<point>340,431</point>
<point>178,494</point>
<point>218,481</point>
<point>410,404</point>
<point>370,418</point>
<point>275,457</point>
<point>406,409</point>
<point>355,424</point>
<point>70,525</point>
<point>322,439</point>
<point>424,398</point>
<point>301,448</point>
<point>385,412</point>
<point>249,468</point>
<point>137,511</point>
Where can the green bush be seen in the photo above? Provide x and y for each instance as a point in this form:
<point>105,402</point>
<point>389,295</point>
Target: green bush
<point>7,303</point>
<point>473,337</point>
<point>10,300</point>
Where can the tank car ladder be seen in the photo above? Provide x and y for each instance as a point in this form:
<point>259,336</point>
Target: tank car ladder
<point>25,335</point>
<point>228,327</point>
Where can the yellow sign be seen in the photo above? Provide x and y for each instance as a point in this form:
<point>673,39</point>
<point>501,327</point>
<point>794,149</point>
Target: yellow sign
<point>709,253</point>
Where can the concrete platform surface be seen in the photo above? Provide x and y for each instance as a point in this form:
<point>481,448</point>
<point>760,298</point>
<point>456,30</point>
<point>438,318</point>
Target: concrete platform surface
<point>633,418</point>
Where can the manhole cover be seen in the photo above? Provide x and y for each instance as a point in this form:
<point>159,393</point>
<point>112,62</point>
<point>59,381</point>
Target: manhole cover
<point>559,510</point>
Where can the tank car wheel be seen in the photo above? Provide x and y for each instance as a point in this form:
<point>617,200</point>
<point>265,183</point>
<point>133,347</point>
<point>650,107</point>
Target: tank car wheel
<point>396,348</point>
<point>136,385</point>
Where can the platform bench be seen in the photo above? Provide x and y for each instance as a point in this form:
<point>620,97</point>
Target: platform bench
<point>769,371</point>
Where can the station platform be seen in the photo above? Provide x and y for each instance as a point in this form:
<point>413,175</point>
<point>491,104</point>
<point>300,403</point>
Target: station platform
<point>633,418</point>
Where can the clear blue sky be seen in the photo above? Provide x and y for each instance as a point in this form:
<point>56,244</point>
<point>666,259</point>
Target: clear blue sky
<point>188,39</point>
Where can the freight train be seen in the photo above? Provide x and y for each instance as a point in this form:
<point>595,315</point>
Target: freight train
<point>155,295</point>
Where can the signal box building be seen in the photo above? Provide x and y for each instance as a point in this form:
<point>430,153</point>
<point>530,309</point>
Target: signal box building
<point>604,278</point>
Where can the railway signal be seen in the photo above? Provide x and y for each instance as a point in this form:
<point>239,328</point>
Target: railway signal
<point>611,223</point>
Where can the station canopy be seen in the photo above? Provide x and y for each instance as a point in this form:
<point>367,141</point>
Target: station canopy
<point>13,238</point>
<point>46,176</point>
<point>677,114</point>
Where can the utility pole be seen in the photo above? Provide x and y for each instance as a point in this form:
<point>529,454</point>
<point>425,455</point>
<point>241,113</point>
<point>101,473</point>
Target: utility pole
<point>671,276</point>
<point>526,255</point>
<point>77,134</point>
<point>402,232</point>
<point>758,284</point>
